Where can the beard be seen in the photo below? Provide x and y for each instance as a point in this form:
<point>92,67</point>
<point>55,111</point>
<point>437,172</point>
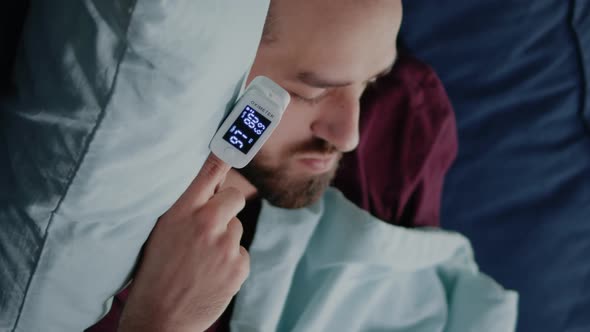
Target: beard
<point>279,188</point>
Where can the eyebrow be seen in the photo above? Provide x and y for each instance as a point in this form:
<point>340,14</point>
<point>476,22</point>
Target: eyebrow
<point>312,79</point>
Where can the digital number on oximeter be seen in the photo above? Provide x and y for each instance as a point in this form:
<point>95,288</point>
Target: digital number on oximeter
<point>246,130</point>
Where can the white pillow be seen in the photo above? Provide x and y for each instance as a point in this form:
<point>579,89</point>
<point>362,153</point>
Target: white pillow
<point>117,103</point>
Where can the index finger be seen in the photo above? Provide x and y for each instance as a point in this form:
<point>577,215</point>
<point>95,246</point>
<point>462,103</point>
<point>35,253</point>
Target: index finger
<point>205,183</point>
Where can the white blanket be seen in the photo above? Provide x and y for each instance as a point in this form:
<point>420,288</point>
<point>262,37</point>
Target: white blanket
<point>334,267</point>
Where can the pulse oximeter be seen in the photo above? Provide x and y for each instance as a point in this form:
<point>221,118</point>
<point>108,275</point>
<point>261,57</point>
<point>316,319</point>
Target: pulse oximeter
<point>252,120</point>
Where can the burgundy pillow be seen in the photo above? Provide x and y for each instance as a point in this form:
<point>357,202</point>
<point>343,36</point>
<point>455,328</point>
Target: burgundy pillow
<point>408,142</point>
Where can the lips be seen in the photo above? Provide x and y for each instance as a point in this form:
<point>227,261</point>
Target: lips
<point>319,163</point>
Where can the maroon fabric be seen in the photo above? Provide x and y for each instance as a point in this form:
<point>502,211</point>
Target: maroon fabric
<point>408,142</point>
<point>110,322</point>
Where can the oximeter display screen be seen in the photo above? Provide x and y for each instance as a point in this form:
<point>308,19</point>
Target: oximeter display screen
<point>246,130</point>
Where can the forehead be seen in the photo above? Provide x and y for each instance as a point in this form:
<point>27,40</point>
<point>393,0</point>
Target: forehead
<point>337,37</point>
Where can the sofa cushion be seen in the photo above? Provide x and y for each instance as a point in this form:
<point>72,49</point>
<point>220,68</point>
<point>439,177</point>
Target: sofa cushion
<point>517,75</point>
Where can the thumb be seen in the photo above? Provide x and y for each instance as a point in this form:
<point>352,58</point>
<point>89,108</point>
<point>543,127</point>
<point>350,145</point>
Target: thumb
<point>205,183</point>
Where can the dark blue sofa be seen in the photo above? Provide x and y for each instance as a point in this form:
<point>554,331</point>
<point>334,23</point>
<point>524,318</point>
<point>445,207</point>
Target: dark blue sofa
<point>517,73</point>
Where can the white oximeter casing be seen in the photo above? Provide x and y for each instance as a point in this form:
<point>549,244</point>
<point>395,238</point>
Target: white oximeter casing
<point>252,120</point>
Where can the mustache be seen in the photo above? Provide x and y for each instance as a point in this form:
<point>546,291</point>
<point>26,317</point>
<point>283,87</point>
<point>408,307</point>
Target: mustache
<point>316,145</point>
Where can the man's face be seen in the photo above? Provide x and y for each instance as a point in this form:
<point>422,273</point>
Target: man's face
<point>325,54</point>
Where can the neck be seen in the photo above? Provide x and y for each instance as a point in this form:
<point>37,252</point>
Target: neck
<point>236,180</point>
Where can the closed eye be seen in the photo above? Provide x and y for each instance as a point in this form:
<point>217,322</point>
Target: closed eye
<point>309,101</point>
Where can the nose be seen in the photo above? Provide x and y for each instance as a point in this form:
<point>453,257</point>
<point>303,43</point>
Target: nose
<point>338,122</point>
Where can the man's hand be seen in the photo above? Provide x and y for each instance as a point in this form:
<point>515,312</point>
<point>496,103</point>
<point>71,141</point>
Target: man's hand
<point>193,263</point>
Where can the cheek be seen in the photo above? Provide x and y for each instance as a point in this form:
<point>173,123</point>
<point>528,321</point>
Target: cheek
<point>298,117</point>
<point>294,126</point>
<point>292,130</point>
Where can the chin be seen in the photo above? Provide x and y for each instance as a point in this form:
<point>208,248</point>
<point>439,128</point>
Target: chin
<point>297,194</point>
<point>281,188</point>
<point>289,202</point>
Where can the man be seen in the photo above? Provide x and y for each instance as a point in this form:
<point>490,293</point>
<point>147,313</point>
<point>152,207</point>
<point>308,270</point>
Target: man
<point>325,79</point>
<point>194,263</point>
<point>324,53</point>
